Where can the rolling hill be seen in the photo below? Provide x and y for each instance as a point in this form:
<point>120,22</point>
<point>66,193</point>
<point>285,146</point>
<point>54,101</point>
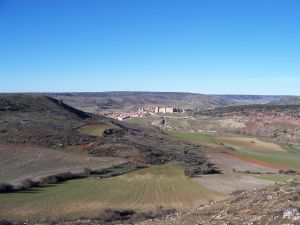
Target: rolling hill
<point>96,102</point>
<point>124,101</point>
<point>34,120</point>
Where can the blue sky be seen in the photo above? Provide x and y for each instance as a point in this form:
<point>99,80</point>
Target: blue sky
<point>202,46</point>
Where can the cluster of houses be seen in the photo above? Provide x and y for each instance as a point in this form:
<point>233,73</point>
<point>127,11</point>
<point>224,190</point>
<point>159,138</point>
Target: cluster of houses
<point>142,111</point>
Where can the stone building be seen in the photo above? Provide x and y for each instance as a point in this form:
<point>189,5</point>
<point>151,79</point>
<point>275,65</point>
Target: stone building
<point>165,109</point>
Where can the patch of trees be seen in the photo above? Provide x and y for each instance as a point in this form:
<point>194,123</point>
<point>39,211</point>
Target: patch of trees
<point>52,179</point>
<point>5,187</point>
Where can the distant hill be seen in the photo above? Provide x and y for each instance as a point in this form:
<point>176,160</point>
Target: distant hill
<point>288,100</point>
<point>124,101</point>
<point>248,99</point>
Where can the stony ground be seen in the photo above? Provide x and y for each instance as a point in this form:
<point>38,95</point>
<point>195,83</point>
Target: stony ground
<point>278,204</point>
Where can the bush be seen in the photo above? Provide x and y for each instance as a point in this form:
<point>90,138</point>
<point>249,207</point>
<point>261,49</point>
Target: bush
<point>5,222</point>
<point>211,171</point>
<point>87,171</point>
<point>28,183</point>
<point>287,171</point>
<point>49,180</point>
<point>60,177</point>
<point>64,176</point>
<point>5,187</point>
<point>110,215</point>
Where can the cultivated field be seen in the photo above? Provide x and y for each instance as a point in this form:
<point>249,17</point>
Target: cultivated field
<point>144,189</point>
<point>212,140</point>
<point>230,182</point>
<point>280,161</point>
<point>250,150</point>
<point>20,161</point>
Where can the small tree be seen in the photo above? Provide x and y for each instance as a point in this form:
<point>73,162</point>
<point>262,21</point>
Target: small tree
<point>87,171</point>
<point>28,183</point>
<point>5,187</point>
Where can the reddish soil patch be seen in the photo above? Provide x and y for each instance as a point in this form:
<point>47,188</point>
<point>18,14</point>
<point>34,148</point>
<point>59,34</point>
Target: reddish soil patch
<point>257,162</point>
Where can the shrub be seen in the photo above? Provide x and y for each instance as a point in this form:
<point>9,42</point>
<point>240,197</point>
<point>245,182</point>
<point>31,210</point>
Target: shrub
<point>109,215</point>
<point>295,197</point>
<point>87,171</point>
<point>237,192</point>
<point>28,183</point>
<point>60,177</point>
<point>5,222</point>
<point>49,180</point>
<point>64,176</point>
<point>211,171</point>
<point>287,171</point>
<point>5,187</point>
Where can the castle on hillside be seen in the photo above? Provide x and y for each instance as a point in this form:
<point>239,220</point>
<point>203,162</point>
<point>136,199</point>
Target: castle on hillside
<point>166,109</point>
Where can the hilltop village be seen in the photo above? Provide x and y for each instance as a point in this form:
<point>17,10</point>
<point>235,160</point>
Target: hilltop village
<point>144,111</point>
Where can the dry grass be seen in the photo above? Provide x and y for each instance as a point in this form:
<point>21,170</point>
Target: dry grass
<point>251,144</point>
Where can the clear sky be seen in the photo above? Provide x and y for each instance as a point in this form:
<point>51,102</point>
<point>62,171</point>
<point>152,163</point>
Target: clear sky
<point>202,46</point>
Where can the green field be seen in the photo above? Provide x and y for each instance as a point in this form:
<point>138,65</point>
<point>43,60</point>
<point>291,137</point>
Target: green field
<point>250,148</point>
<point>95,130</point>
<point>195,137</point>
<point>286,160</point>
<point>213,140</point>
<point>274,177</point>
<point>144,189</point>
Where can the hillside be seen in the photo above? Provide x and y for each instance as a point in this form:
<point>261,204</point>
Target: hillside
<point>288,100</point>
<point>96,102</point>
<point>277,122</point>
<point>124,101</point>
<point>278,204</point>
<point>42,138</point>
<point>40,120</point>
<point>248,99</point>
<point>36,120</point>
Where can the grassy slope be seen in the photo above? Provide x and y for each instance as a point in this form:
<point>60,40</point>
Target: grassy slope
<point>288,160</point>
<point>95,130</point>
<point>251,148</point>
<point>142,190</point>
<point>201,138</point>
<point>251,144</point>
<point>235,142</point>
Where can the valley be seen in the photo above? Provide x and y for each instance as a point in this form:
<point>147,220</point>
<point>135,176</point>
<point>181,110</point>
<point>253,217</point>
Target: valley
<point>141,167</point>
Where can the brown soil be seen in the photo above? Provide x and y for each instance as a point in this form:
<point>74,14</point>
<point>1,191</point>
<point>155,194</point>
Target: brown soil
<point>257,162</point>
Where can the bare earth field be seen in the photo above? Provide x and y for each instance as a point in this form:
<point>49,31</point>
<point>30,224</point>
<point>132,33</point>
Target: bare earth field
<point>228,163</point>
<point>228,183</point>
<point>20,161</point>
